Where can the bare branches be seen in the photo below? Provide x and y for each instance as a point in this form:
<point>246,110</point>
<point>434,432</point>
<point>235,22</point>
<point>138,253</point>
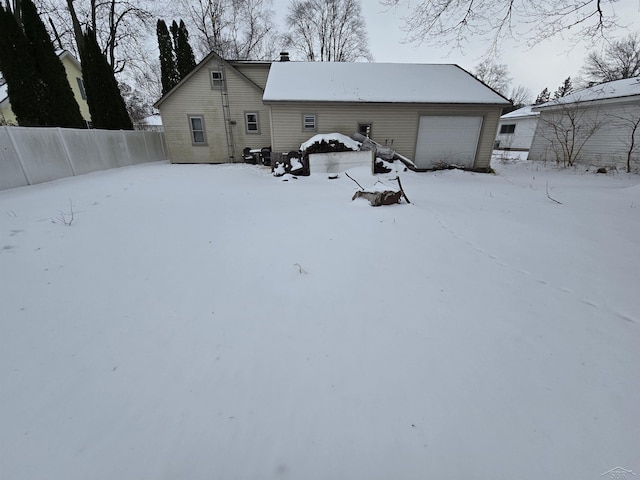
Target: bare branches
<point>568,127</point>
<point>549,196</point>
<point>328,30</point>
<point>452,24</point>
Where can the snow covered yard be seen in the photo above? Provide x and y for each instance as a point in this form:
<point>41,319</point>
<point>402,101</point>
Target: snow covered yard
<point>215,322</point>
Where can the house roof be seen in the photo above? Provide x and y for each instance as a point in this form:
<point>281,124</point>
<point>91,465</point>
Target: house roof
<point>610,91</point>
<point>376,82</point>
<point>521,113</point>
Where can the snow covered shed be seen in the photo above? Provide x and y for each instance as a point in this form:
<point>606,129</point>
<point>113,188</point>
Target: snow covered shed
<point>597,126</point>
<point>433,114</point>
<point>516,129</point>
<point>216,111</point>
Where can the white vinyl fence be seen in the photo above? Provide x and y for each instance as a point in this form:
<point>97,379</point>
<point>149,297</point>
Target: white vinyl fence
<point>30,155</point>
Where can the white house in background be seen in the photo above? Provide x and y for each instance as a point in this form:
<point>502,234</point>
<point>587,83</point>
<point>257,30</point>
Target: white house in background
<point>433,114</point>
<point>516,129</point>
<point>604,116</point>
<point>152,123</point>
<point>74,76</point>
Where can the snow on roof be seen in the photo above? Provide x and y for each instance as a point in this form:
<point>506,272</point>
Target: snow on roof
<point>347,141</point>
<point>375,82</point>
<point>627,87</point>
<point>521,112</point>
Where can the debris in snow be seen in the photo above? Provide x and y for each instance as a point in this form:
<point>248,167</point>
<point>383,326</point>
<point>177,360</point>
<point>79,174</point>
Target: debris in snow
<point>329,142</point>
<point>379,193</point>
<point>279,169</point>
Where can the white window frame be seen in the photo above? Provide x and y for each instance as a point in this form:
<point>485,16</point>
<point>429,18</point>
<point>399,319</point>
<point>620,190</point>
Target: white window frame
<point>247,123</point>
<point>83,91</point>
<point>309,126</point>
<point>504,127</point>
<point>216,82</point>
<point>193,131</point>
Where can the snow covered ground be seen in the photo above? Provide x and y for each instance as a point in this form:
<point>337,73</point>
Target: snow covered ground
<point>215,322</point>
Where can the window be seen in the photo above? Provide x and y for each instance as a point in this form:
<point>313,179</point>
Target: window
<point>309,122</point>
<point>251,122</point>
<point>196,125</point>
<point>510,128</point>
<point>364,129</point>
<point>216,78</point>
<point>83,92</point>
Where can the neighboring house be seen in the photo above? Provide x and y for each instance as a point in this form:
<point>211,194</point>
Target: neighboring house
<point>516,129</point>
<point>152,123</point>
<point>597,126</point>
<point>74,76</point>
<point>433,114</point>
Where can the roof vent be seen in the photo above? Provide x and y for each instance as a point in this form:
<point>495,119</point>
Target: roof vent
<point>284,56</point>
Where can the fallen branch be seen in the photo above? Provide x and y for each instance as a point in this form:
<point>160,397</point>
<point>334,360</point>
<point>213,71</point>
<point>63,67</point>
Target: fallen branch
<point>549,196</point>
<point>353,180</point>
<point>404,195</point>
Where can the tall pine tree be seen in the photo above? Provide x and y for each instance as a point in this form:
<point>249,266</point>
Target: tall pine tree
<point>60,104</point>
<point>185,60</point>
<point>543,97</point>
<point>168,71</point>
<point>27,92</point>
<point>565,89</point>
<point>106,105</point>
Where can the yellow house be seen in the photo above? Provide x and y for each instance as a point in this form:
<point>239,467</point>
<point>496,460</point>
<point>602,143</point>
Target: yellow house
<point>74,76</point>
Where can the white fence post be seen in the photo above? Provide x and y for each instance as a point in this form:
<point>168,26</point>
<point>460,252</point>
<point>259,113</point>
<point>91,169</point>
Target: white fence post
<point>66,150</point>
<point>18,154</point>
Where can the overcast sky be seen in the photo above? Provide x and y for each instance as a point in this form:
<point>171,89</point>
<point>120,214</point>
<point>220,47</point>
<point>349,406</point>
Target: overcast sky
<point>546,65</point>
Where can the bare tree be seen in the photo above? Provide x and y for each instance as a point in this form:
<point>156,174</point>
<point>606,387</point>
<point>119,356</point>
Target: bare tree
<point>627,122</point>
<point>618,60</point>
<point>121,28</point>
<point>520,96</point>
<point>568,127</point>
<point>493,74</point>
<point>452,23</point>
<point>328,30</point>
<point>235,29</point>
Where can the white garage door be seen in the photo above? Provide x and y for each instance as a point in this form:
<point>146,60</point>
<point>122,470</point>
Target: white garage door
<point>447,141</point>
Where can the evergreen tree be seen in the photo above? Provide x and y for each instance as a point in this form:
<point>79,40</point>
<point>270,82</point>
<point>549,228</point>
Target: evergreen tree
<point>26,90</point>
<point>565,89</point>
<point>168,71</point>
<point>60,104</point>
<point>185,60</point>
<point>106,105</point>
<point>543,97</point>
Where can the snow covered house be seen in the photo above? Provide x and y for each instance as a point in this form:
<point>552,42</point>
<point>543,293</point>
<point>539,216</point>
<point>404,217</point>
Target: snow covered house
<point>598,126</point>
<point>433,114</point>
<point>516,129</point>
<point>74,76</point>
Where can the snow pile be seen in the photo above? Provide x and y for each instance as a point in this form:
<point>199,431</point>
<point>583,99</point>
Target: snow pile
<point>208,321</point>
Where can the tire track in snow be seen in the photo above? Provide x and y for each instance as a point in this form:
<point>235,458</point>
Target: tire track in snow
<point>496,259</point>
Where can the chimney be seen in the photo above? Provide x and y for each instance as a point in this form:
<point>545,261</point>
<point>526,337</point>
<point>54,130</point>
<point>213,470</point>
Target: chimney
<point>284,56</point>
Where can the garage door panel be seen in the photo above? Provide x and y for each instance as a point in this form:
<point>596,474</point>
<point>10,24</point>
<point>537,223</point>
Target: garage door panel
<point>447,140</point>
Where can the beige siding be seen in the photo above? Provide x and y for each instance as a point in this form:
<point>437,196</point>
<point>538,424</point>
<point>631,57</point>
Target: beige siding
<point>73,73</point>
<point>257,73</point>
<point>608,146</point>
<point>196,97</point>
<point>395,125</point>
<point>7,116</point>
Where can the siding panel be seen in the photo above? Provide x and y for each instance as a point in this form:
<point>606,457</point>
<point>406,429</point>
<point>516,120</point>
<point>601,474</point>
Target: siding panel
<point>394,125</point>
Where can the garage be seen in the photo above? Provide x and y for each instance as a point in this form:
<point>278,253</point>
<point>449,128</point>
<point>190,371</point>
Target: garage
<point>447,140</point>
